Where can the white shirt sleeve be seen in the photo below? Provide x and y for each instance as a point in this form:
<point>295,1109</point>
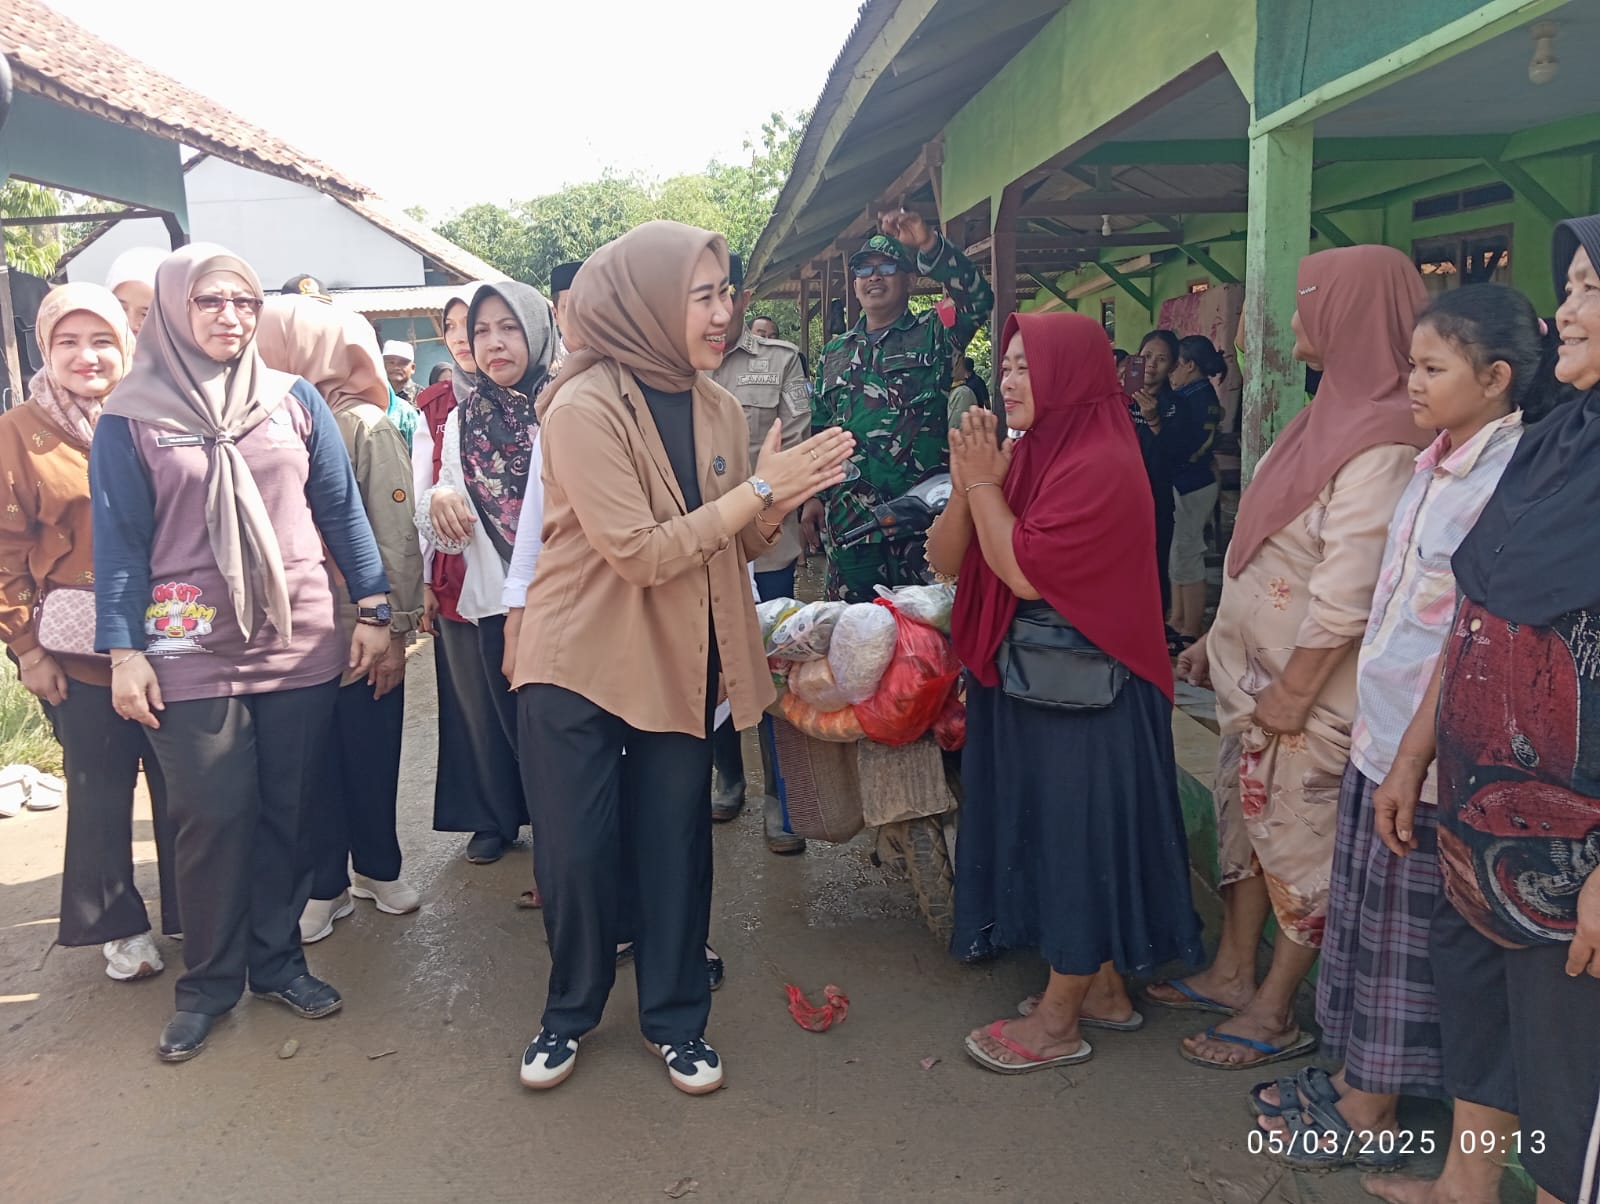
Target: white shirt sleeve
<point>530,534</point>
<point>421,482</point>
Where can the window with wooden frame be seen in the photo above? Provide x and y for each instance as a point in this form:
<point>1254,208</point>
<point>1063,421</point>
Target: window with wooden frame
<point>1448,261</point>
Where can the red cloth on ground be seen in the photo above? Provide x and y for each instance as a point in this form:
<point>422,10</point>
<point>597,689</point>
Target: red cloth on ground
<point>1085,535</point>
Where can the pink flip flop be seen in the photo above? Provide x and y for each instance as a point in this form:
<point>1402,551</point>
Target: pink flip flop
<point>1033,1061</point>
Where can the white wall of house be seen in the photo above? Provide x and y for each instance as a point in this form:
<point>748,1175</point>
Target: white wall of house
<point>280,228</point>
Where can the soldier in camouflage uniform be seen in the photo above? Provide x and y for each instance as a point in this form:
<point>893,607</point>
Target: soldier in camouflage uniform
<point>886,380</point>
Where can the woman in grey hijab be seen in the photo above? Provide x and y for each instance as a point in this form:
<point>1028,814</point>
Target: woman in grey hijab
<point>484,485</point>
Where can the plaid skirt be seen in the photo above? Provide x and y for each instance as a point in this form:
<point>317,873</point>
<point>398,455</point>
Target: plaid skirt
<point>1375,994</point>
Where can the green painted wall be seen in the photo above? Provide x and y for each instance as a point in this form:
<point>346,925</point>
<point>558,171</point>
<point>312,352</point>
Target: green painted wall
<point>1574,180</point>
<point>1306,43</point>
<point>54,145</point>
<point>1040,102</point>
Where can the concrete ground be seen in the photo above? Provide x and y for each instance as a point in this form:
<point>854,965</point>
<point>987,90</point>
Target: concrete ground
<point>411,1093</point>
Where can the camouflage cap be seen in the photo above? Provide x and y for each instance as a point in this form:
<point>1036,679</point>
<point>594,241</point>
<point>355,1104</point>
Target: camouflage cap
<point>882,244</point>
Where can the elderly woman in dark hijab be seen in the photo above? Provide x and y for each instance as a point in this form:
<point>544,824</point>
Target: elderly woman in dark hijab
<point>217,484</point>
<point>476,787</point>
<point>485,484</point>
<point>1516,949</point>
<point>639,615</point>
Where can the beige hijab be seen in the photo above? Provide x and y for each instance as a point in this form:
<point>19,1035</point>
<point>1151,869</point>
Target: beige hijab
<point>1357,305</point>
<point>176,387</point>
<point>73,415</point>
<point>332,348</point>
<point>630,303</point>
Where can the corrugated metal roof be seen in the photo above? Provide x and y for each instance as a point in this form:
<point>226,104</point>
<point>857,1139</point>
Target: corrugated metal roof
<point>917,73</point>
<point>396,302</point>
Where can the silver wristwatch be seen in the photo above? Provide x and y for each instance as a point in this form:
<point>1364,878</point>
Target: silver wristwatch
<point>763,491</point>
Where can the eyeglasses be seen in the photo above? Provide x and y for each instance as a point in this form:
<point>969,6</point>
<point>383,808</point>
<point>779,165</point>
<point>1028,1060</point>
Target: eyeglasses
<point>864,271</point>
<point>212,304</point>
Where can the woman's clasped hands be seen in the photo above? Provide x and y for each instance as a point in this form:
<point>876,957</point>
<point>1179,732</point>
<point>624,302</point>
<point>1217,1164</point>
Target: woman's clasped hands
<point>977,455</point>
<point>804,469</point>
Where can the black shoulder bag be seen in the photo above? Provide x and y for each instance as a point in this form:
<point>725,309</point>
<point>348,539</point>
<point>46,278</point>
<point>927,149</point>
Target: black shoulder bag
<point>1045,660</point>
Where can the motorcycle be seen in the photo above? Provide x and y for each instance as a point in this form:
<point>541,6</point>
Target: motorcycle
<point>923,848</point>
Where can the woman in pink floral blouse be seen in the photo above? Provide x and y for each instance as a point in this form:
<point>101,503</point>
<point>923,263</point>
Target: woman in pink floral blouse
<point>1301,568</point>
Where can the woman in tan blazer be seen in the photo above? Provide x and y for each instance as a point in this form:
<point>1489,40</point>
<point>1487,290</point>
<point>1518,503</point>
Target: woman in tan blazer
<point>639,617</point>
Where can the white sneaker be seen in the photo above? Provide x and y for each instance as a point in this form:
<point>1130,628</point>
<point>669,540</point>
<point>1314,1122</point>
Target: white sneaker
<point>316,921</point>
<point>132,957</point>
<point>693,1066</point>
<point>396,898</point>
<point>46,792</point>
<point>549,1060</point>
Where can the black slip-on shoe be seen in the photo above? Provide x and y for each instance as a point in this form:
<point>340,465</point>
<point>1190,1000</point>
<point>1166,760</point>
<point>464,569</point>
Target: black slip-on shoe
<point>184,1036</point>
<point>485,848</point>
<point>306,996</point>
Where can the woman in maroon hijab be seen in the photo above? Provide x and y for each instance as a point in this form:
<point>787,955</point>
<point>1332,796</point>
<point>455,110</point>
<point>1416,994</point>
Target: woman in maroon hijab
<point>1072,841</point>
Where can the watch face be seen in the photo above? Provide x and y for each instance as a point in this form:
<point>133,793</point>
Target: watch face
<point>384,611</point>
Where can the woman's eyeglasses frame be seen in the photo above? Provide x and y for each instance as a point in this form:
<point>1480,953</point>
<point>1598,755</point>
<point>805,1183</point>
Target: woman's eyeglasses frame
<point>210,303</point>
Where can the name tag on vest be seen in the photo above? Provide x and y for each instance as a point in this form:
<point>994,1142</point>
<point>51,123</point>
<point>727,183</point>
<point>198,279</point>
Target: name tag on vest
<point>180,441</point>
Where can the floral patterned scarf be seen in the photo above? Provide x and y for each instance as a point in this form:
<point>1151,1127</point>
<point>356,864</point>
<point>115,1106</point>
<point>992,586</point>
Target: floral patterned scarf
<point>497,423</point>
<point>496,456</point>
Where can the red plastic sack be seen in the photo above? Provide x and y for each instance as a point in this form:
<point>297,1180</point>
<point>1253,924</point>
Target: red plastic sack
<point>839,727</point>
<point>950,728</point>
<point>913,688</point>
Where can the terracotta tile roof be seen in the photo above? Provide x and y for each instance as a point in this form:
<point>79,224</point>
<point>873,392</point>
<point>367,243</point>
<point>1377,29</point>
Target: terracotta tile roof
<point>63,62</point>
<point>424,241</point>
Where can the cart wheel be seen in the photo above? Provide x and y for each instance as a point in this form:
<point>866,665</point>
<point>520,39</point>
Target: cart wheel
<point>932,877</point>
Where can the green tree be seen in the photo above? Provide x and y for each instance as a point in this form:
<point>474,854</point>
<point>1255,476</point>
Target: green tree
<point>526,239</point>
<point>31,249</point>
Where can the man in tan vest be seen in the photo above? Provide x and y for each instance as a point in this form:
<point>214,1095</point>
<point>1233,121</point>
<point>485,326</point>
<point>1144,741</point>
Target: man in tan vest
<point>769,379</point>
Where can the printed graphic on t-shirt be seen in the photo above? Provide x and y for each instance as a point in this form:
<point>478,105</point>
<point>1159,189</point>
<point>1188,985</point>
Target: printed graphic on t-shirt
<point>176,621</point>
<point>1519,773</point>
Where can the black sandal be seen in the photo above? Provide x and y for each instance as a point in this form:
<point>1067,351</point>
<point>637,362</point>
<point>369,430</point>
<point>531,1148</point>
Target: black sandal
<point>1328,1143</point>
<point>1313,1083</point>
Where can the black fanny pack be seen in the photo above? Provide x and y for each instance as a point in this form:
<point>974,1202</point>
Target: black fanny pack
<point>1048,662</point>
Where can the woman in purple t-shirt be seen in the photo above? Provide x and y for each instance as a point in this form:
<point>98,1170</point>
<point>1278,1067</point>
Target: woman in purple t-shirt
<point>216,484</point>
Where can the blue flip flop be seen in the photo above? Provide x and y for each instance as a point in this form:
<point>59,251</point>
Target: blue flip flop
<point>1299,1047</point>
<point>1196,1002</point>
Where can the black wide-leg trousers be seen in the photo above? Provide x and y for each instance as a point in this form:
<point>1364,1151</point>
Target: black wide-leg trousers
<point>352,824</point>
<point>101,753</point>
<point>606,826</point>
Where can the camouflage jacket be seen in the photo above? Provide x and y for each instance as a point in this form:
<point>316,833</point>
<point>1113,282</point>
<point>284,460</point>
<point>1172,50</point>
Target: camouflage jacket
<point>892,394</point>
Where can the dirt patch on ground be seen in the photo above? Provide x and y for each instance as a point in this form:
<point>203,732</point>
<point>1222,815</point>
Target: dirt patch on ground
<point>411,1093</point>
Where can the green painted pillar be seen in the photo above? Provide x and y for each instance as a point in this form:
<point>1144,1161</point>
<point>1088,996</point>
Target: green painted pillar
<point>1278,238</point>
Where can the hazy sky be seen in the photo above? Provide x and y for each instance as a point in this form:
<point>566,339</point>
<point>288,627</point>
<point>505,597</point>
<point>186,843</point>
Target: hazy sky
<point>445,104</point>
